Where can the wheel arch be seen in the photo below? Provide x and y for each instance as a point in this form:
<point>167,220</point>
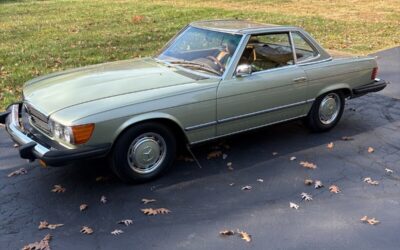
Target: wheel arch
<point>166,119</point>
<point>343,87</point>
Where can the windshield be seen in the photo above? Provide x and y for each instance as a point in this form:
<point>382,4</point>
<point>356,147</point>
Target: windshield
<point>202,50</point>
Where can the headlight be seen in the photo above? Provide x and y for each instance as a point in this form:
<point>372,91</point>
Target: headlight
<point>71,134</point>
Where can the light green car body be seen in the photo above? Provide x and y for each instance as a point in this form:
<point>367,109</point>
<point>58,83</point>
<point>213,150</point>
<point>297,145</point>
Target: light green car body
<point>118,95</point>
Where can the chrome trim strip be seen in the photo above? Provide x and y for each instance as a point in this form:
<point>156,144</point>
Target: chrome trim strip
<point>244,130</point>
<point>203,125</point>
<point>264,111</point>
<point>320,61</point>
<point>207,124</point>
<point>12,126</point>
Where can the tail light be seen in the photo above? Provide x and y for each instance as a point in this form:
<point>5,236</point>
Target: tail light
<point>374,73</point>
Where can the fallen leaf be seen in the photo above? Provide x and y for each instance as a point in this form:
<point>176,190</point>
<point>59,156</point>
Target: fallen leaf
<point>245,236</point>
<point>46,225</point>
<point>389,171</point>
<point>41,245</point>
<point>330,145</point>
<point>117,232</point>
<point>147,201</point>
<point>334,189</point>
<point>152,211</point>
<point>224,156</point>
<point>15,145</point>
<point>308,182</point>
<point>370,181</point>
<point>274,153</point>
<point>83,207</point>
<point>308,165</point>
<point>260,180</point>
<point>226,232</point>
<point>126,222</point>
<point>371,221</point>
<point>103,199</point>
<point>318,184</point>
<point>86,230</point>
<point>137,19</point>
<point>20,171</point>
<point>232,184</point>
<point>347,138</point>
<point>229,165</point>
<point>306,197</point>
<point>214,154</point>
<point>371,149</point>
<point>102,178</point>
<point>58,189</point>
<point>293,158</point>
<point>246,188</point>
<point>293,205</point>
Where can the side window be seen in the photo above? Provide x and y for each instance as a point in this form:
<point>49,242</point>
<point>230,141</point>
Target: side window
<point>304,51</point>
<point>268,51</point>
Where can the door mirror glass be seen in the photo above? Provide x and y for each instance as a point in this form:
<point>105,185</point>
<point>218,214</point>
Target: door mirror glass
<point>243,70</point>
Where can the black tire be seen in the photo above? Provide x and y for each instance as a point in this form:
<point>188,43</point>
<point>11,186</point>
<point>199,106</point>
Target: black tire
<point>120,162</point>
<point>313,120</point>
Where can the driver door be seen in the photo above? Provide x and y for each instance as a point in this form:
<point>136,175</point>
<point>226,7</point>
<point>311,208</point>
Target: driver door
<point>275,91</point>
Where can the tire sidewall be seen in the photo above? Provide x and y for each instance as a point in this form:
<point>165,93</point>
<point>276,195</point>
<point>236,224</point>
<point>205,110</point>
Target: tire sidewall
<point>119,161</point>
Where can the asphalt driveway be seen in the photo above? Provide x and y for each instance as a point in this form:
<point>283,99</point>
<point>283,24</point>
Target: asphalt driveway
<point>209,199</point>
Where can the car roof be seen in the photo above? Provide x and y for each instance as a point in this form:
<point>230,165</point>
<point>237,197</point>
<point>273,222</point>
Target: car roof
<point>239,26</point>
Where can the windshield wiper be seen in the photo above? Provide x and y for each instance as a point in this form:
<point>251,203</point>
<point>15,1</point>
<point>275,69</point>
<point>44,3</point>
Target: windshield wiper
<point>195,65</point>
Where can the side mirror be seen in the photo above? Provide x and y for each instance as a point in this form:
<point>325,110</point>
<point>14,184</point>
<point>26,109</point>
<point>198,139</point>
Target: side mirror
<point>243,70</point>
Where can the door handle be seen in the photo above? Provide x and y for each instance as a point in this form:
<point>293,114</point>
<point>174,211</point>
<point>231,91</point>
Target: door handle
<point>300,79</point>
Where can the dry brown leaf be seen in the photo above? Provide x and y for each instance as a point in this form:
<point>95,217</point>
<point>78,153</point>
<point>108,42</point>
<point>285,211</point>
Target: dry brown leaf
<point>370,181</point>
<point>86,230</point>
<point>43,224</point>
<point>306,197</point>
<point>54,226</point>
<point>371,149</point>
<point>137,19</point>
<point>152,211</point>
<point>46,225</point>
<point>214,154</point>
<point>245,236</point>
<point>117,232</point>
<point>103,199</point>
<point>226,233</point>
<point>126,222</point>
<point>347,138</point>
<point>20,171</point>
<point>330,145</point>
<point>58,189</point>
<point>247,187</point>
<point>83,207</point>
<point>293,158</point>
<point>147,201</point>
<point>41,245</point>
<point>293,205</point>
<point>318,184</point>
<point>389,171</point>
<point>334,189</point>
<point>15,145</point>
<point>371,221</point>
<point>308,182</point>
<point>308,165</point>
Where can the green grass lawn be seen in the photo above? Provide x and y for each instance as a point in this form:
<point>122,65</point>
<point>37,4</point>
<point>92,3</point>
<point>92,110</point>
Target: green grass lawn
<point>38,37</point>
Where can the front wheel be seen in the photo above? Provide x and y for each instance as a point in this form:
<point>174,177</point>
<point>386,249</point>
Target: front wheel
<point>143,152</point>
<point>326,112</point>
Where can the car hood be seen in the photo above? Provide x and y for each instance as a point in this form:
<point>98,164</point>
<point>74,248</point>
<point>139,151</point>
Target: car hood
<point>57,91</point>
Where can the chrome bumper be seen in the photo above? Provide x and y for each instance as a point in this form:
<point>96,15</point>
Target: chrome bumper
<point>13,127</point>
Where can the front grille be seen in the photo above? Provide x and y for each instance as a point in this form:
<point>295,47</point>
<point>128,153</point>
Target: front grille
<point>37,119</point>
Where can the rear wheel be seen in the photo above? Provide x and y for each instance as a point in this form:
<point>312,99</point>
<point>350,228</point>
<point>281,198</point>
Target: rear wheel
<point>143,152</point>
<point>326,112</point>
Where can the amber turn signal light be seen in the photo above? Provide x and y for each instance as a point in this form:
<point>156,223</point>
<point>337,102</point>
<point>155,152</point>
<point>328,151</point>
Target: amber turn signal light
<point>82,133</point>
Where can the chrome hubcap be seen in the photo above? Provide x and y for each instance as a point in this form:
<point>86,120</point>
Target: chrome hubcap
<point>146,153</point>
<point>329,108</point>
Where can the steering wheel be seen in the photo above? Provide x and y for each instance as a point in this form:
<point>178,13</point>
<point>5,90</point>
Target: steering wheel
<point>217,62</point>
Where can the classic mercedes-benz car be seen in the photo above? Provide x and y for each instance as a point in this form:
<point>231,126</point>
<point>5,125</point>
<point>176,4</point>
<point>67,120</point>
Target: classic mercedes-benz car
<point>213,79</point>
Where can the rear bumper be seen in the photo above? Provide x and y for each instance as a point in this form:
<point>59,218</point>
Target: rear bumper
<point>31,148</point>
<point>375,86</point>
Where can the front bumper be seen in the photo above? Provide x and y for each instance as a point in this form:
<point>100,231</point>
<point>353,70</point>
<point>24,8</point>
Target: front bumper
<point>32,148</point>
<point>375,86</point>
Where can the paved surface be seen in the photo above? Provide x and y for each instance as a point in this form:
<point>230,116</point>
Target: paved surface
<point>203,202</point>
